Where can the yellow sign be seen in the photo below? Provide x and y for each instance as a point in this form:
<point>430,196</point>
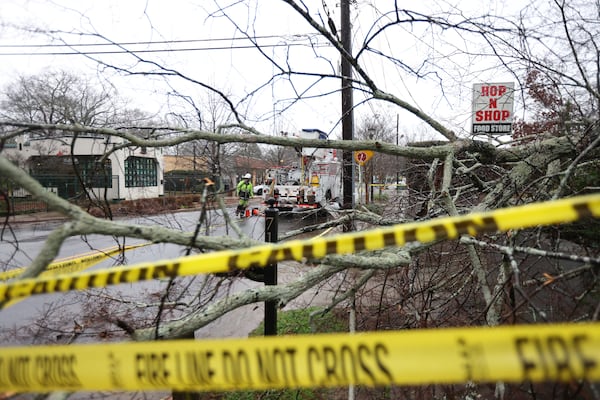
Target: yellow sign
<point>527,216</point>
<point>362,156</point>
<point>535,353</point>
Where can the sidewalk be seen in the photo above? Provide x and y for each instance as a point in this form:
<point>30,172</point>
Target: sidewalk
<point>32,218</point>
<point>49,216</point>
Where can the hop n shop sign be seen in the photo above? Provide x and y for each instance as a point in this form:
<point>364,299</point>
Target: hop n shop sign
<point>493,108</point>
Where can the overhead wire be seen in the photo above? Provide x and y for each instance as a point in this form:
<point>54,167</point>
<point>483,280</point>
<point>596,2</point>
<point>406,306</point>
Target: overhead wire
<point>153,41</point>
<point>74,46</point>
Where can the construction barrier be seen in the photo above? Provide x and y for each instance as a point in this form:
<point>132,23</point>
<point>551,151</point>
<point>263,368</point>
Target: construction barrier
<point>510,354</point>
<point>527,216</point>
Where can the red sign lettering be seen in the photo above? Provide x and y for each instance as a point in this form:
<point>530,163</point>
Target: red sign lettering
<point>493,90</point>
<point>492,115</point>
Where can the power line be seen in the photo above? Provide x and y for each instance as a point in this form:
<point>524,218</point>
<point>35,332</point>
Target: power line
<point>72,45</point>
<point>124,51</point>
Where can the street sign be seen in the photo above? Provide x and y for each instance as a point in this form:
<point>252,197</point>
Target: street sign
<point>493,108</point>
<point>362,156</point>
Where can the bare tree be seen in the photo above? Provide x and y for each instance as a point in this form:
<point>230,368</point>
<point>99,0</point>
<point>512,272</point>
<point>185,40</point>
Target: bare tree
<point>544,274</point>
<point>58,98</point>
<point>381,168</point>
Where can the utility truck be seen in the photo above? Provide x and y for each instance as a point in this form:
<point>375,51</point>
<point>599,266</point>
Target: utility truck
<point>313,183</point>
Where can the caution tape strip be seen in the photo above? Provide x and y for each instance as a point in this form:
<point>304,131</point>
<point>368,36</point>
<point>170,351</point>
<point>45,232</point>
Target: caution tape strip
<point>414,357</point>
<point>69,265</point>
<point>75,263</point>
<point>537,214</point>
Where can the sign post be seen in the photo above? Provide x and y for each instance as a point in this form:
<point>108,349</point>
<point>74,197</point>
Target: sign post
<point>493,108</point>
<point>361,157</point>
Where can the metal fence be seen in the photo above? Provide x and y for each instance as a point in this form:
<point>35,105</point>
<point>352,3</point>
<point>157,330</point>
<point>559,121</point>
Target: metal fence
<point>69,187</point>
<point>16,200</point>
<point>20,205</point>
<point>178,183</point>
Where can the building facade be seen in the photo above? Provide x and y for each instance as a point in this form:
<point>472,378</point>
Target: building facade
<point>89,165</point>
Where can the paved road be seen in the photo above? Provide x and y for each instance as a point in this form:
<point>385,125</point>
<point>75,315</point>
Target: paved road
<point>28,239</point>
<point>27,322</point>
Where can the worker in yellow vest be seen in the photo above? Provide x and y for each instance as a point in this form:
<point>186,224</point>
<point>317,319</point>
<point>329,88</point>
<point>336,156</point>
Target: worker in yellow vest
<point>244,191</point>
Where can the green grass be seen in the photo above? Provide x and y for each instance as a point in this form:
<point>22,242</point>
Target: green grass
<point>295,322</point>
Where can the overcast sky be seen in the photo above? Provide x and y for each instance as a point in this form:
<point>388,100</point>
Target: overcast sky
<point>190,31</point>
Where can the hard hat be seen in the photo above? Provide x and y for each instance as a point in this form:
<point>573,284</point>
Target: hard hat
<point>247,176</point>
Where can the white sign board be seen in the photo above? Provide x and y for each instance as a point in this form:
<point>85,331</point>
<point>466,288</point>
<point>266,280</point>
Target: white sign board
<point>493,108</point>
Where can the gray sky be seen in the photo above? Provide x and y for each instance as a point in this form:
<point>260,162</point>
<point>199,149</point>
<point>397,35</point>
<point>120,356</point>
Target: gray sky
<point>181,25</point>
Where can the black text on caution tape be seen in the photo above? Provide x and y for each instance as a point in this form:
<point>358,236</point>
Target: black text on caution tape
<point>417,357</point>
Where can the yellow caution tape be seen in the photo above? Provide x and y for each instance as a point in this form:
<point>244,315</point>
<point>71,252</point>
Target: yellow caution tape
<point>413,357</point>
<point>69,265</point>
<point>553,212</point>
<point>74,263</point>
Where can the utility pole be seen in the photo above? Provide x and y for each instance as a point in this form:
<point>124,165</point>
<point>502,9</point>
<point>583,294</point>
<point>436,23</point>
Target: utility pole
<point>397,166</point>
<point>347,107</point>
<point>270,271</point>
<point>347,125</point>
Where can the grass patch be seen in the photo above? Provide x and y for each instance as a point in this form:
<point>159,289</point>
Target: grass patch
<point>298,322</point>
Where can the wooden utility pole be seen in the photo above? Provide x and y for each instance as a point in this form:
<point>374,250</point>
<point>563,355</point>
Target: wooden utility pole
<point>347,124</point>
<point>347,107</point>
<point>270,271</point>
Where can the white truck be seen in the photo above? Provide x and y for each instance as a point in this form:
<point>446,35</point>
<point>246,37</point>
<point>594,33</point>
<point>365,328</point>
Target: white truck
<point>314,183</point>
